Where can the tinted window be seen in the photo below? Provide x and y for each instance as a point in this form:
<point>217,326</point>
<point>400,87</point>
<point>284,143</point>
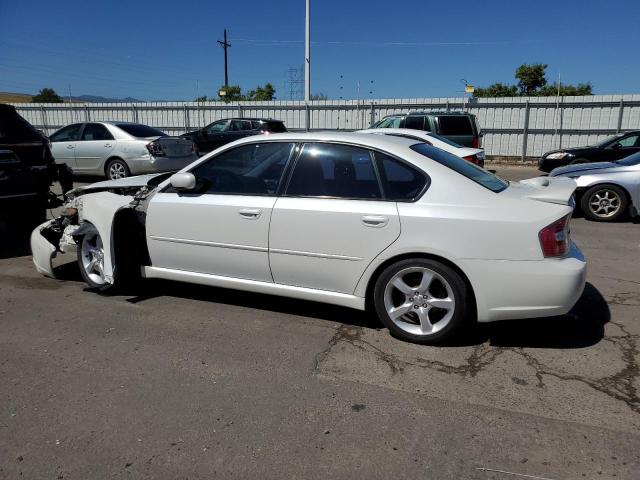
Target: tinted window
<point>15,129</point>
<point>334,171</point>
<point>627,142</point>
<point>275,127</point>
<point>140,131</point>
<point>455,125</point>
<point>95,131</point>
<point>240,125</point>
<point>401,182</point>
<point>254,169</point>
<point>215,127</point>
<point>415,122</point>
<point>67,134</point>
<point>467,169</point>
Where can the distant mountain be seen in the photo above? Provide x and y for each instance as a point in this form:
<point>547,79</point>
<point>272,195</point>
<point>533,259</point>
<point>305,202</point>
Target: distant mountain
<point>8,97</point>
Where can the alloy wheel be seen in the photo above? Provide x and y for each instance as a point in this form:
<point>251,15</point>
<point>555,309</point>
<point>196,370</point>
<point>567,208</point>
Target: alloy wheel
<point>92,255</point>
<point>117,170</point>
<point>605,203</point>
<point>419,301</point>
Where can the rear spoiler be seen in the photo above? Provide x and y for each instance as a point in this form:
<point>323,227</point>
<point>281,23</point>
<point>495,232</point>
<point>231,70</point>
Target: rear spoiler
<point>552,189</point>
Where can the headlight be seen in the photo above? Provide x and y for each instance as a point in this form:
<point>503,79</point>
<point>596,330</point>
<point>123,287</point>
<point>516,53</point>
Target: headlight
<point>558,155</point>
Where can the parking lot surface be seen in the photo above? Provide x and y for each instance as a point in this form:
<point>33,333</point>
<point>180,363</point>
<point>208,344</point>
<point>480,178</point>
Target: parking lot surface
<point>182,381</point>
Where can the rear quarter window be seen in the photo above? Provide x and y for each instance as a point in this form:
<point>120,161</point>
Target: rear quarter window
<point>455,125</point>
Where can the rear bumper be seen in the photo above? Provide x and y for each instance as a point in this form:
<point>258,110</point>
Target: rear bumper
<point>151,164</point>
<point>506,289</point>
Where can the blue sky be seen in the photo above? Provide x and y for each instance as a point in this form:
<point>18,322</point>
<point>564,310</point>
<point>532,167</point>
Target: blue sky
<point>166,50</point>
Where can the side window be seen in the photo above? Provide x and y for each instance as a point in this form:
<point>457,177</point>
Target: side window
<point>401,182</point>
<point>95,131</point>
<point>67,134</point>
<point>395,122</point>
<point>414,121</point>
<point>630,141</point>
<point>217,127</point>
<point>331,170</point>
<point>240,125</point>
<point>254,169</point>
<point>455,125</point>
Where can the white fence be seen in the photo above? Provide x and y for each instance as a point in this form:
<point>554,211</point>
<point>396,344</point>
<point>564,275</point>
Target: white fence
<point>522,127</point>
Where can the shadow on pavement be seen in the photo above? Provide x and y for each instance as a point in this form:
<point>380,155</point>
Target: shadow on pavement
<point>14,241</point>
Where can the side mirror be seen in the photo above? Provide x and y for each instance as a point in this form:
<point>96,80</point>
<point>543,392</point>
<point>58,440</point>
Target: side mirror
<point>183,181</point>
<point>616,146</point>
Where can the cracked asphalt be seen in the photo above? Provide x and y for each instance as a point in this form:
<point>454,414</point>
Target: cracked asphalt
<point>181,381</point>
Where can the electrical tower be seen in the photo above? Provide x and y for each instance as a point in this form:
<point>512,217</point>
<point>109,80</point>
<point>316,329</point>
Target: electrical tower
<point>295,82</point>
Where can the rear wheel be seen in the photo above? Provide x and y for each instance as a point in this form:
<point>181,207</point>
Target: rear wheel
<point>604,203</point>
<point>117,168</point>
<point>421,300</point>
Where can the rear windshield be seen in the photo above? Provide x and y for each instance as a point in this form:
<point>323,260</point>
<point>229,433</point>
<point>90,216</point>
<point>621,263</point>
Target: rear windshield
<point>140,131</point>
<point>455,125</point>
<point>275,127</point>
<point>467,169</point>
<point>445,140</point>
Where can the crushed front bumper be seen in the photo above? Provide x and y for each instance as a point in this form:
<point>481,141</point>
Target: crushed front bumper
<point>44,248</point>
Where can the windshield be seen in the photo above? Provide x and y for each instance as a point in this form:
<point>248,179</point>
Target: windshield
<point>630,160</point>
<point>140,131</point>
<point>467,169</point>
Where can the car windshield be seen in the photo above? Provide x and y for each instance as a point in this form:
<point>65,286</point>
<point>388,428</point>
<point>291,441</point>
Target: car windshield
<point>630,160</point>
<point>467,169</point>
<point>140,131</point>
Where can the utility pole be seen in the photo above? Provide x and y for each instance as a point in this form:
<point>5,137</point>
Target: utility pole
<point>307,57</point>
<point>224,44</point>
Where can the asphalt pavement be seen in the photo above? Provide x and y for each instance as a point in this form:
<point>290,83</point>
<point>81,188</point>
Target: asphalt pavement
<point>182,381</point>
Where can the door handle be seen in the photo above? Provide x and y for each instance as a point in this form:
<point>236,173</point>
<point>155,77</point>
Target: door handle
<point>107,145</point>
<point>250,213</point>
<point>69,146</point>
<point>375,220</point>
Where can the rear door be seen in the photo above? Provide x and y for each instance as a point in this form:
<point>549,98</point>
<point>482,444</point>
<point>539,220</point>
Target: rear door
<point>63,144</point>
<point>458,128</point>
<point>96,144</point>
<point>332,220</point>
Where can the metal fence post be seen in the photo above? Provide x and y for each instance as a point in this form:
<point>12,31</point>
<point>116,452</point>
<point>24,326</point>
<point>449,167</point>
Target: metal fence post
<point>308,117</point>
<point>560,126</point>
<point>240,112</point>
<point>134,111</point>
<point>448,106</point>
<point>186,118</point>
<point>620,113</point>
<point>372,119</point>
<point>87,114</point>
<point>525,131</point>
<point>43,114</point>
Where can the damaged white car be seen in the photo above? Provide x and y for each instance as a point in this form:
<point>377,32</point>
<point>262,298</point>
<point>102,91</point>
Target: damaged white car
<point>426,239</point>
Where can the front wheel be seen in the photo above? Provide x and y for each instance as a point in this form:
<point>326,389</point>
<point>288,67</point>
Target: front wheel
<point>604,203</point>
<point>421,300</point>
<point>91,260</point>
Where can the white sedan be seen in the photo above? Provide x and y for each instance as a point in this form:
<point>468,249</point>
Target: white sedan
<point>427,240</point>
<point>473,155</point>
<point>119,149</point>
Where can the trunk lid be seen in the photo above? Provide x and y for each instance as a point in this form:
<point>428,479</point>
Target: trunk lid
<point>558,190</point>
<point>175,146</point>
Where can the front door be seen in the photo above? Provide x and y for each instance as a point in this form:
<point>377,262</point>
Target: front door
<point>621,148</point>
<point>95,146</point>
<point>221,228</point>
<point>63,144</point>
<point>332,220</point>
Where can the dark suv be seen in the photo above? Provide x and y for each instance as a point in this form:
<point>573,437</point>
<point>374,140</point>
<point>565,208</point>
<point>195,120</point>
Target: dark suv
<point>27,170</point>
<point>459,127</point>
<point>225,131</point>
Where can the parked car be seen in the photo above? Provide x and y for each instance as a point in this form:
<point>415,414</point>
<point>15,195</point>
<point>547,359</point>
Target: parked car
<point>318,216</point>
<point>473,155</point>
<point>611,149</point>
<point>119,149</point>
<point>606,190</point>
<point>27,171</point>
<point>228,130</point>
<point>459,127</point>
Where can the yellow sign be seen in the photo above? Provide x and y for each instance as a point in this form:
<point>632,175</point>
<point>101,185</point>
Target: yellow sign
<point>469,89</point>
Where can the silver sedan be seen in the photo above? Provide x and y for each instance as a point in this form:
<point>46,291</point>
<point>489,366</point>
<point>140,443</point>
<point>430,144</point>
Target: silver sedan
<point>119,149</point>
<point>606,190</point>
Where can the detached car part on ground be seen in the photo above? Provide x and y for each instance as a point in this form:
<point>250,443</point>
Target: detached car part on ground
<point>426,239</point>
<point>606,190</point>
<point>119,149</point>
<point>27,171</point>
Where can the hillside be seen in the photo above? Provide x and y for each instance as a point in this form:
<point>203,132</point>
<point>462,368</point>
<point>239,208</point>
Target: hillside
<point>7,97</point>
<point>14,97</point>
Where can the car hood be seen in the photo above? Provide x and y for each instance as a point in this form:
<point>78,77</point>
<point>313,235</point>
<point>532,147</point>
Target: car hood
<point>138,181</point>
<point>545,189</point>
<point>190,134</point>
<point>581,168</point>
<point>572,150</point>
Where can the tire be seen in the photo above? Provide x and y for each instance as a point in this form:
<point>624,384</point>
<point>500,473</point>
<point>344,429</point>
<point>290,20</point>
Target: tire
<point>91,260</point>
<point>604,203</point>
<point>421,301</point>
<point>116,168</point>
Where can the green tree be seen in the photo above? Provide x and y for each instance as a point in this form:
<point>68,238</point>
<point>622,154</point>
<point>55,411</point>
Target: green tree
<point>496,90</point>
<point>202,98</point>
<point>261,94</point>
<point>47,95</point>
<point>531,78</point>
<point>318,96</point>
<point>233,93</point>
<point>566,90</point>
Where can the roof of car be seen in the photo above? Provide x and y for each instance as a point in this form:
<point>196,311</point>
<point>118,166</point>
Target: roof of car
<point>252,119</point>
<point>380,141</point>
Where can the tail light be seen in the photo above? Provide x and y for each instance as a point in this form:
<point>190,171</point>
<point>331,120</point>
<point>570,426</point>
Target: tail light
<point>155,149</point>
<point>554,238</point>
<point>475,143</point>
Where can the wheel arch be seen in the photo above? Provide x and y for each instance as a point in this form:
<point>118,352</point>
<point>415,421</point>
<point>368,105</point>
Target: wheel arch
<point>371,281</point>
